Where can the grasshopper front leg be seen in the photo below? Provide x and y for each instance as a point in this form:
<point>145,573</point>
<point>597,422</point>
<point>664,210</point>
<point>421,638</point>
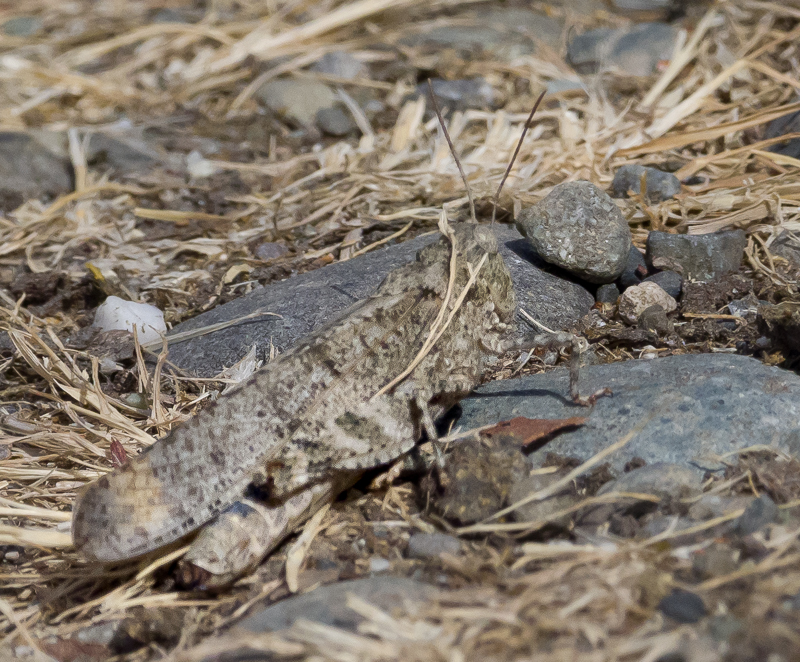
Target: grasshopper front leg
<point>557,341</point>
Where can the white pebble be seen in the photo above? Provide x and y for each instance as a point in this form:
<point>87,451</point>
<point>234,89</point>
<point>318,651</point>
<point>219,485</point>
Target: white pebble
<point>116,314</point>
<point>636,299</point>
<point>377,564</point>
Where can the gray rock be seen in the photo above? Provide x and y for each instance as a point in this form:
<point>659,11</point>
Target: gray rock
<point>168,15</point>
<point>579,228</point>
<point>270,250</point>
<point>746,307</point>
<point>757,515</point>
<point>642,5</point>
<point>563,86</point>
<point>518,21</point>
<point>635,300</point>
<point>661,479</point>
<point>701,257</point>
<point>654,318</point>
<point>787,244</point>
<point>716,560</point>
<point>781,126</point>
<point>608,293</point>
<point>124,152</point>
<point>22,26</point>
<point>506,33</point>
<point>298,101</point>
<point>335,121</point>
<point>660,185</point>
<point>461,94</point>
<point>311,299</point>
<point>710,506</point>
<point>724,626</point>
<point>635,51</point>
<point>340,64</point>
<point>694,408</point>
<point>541,511</point>
<point>328,604</point>
<point>635,269</point>
<point>100,633</point>
<point>669,281</point>
<point>28,169</point>
<point>432,545</point>
<point>683,606</point>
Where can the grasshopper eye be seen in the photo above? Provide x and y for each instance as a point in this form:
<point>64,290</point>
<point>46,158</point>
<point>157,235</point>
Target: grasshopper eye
<point>485,239</point>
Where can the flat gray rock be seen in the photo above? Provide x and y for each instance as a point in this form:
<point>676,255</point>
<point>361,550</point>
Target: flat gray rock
<point>328,604</point>
<point>30,169</point>
<point>311,299</point>
<point>636,50</point>
<point>698,256</point>
<point>701,407</point>
<point>659,185</point>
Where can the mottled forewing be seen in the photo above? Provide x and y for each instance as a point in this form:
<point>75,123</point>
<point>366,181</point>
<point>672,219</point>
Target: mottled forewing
<point>203,466</point>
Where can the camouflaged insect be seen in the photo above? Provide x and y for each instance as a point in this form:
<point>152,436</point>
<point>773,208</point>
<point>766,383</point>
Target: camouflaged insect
<point>316,411</point>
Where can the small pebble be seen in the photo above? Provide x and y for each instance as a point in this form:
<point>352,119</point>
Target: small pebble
<point>635,269</point>
<point>683,606</point>
<point>119,314</point>
<point>22,26</point>
<point>660,185</point>
<point>335,122</point>
<point>654,318</point>
<point>270,250</point>
<point>461,94</point>
<point>669,281</point>
<point>635,300</point>
<point>297,100</point>
<point>714,561</point>
<point>723,626</point>
<point>757,515</point>
<point>137,400</point>
<point>432,545</point>
<point>377,564</point>
<point>340,64</point>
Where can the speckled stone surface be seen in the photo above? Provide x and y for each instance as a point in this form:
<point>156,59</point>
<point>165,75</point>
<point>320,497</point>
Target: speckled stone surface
<point>700,407</point>
<point>579,228</point>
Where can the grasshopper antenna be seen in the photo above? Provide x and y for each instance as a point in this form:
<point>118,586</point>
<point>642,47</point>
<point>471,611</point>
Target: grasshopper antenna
<point>514,158</point>
<point>453,152</point>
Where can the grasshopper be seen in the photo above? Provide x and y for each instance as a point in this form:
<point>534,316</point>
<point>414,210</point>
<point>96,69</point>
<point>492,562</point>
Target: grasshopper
<point>357,393</point>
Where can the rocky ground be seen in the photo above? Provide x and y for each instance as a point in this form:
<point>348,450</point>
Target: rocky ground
<point>251,169</point>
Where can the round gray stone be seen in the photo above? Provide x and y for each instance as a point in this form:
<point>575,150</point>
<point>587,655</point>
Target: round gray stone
<point>335,121</point>
<point>659,185</point>
<point>297,100</point>
<point>579,228</point>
